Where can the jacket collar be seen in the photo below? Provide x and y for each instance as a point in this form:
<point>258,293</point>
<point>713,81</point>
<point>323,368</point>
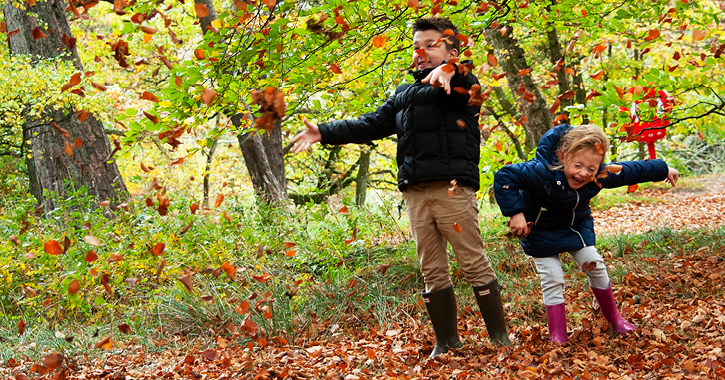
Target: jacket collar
<point>421,74</point>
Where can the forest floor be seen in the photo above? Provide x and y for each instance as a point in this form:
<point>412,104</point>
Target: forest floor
<point>678,337</point>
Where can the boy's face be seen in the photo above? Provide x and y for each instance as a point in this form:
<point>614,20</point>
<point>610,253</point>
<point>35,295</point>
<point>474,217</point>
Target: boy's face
<point>435,52</point>
<point>581,169</point>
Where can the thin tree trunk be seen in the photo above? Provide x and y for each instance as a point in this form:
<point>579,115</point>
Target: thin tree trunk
<point>362,178</point>
<point>512,59</point>
<point>59,165</point>
<point>207,171</point>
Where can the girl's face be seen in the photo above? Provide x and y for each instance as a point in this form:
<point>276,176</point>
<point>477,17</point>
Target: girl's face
<point>435,52</point>
<point>581,169</point>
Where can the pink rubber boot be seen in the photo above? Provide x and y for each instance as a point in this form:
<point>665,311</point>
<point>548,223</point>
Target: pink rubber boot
<point>556,319</point>
<point>605,298</point>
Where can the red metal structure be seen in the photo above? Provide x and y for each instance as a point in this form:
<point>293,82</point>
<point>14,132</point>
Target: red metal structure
<point>651,126</point>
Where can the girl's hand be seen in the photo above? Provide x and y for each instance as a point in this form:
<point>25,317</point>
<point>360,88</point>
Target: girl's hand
<point>672,176</point>
<point>518,225</point>
<point>306,138</point>
<point>439,78</point>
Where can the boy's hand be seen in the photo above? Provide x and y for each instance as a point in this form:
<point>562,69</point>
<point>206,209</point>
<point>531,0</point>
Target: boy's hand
<point>440,78</point>
<point>306,138</point>
<point>672,176</point>
<point>518,225</point>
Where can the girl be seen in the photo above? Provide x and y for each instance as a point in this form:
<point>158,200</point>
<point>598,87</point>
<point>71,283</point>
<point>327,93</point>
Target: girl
<point>548,202</point>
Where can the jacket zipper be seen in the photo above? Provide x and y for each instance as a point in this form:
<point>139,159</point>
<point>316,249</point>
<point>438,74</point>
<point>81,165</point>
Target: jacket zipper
<point>573,217</point>
<point>539,216</point>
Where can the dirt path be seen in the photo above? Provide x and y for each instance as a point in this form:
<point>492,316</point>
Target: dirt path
<point>691,207</point>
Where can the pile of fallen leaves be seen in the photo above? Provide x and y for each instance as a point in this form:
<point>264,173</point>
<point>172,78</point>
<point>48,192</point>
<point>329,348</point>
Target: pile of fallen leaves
<point>701,211</point>
<point>678,308</point>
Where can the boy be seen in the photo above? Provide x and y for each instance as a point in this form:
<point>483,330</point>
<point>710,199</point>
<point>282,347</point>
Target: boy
<point>438,142</point>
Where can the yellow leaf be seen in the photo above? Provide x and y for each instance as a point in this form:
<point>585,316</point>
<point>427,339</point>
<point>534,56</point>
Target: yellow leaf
<point>217,23</point>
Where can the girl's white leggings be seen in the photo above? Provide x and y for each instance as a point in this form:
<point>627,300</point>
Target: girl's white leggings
<point>552,274</point>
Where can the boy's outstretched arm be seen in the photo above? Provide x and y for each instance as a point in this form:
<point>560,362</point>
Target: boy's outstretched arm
<point>306,138</point>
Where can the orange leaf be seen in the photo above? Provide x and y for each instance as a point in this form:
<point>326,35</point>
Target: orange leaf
<point>52,247</point>
<point>154,119</point>
<point>598,75</point>
<point>104,281</point>
<point>105,343</point>
<point>193,207</point>
<point>699,35</point>
<point>567,95</point>
<point>498,76</point>
<point>289,244</point>
<point>413,4</point>
<point>344,210</point>
<point>69,149</point>
<point>230,270</point>
<point>457,227</point>
<point>379,41</point>
<point>75,80</point>
<point>21,327</point>
<point>461,124</point>
<point>146,95</point>
<point>262,278</point>
<point>492,60</point>
<point>613,168</point>
<point>524,72</point>
<point>199,54</point>
<point>74,287</point>
<point>177,161</point>
<point>335,68</point>
<point>291,253</point>
<point>208,96</point>
<point>147,29</point>
<point>632,188</point>
<point>452,188</point>
<point>219,200</point>
<point>652,34</point>
<point>91,256</point>
<point>158,249</point>
<point>554,106</point>
<point>98,86</point>
<point>201,10</point>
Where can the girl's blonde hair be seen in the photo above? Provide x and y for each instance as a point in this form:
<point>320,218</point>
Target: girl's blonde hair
<point>587,136</point>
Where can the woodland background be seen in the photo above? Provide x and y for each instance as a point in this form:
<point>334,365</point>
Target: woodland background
<point>150,212</point>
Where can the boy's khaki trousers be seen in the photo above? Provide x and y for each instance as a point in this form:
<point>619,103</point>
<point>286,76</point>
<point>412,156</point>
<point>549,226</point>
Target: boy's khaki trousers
<point>433,215</point>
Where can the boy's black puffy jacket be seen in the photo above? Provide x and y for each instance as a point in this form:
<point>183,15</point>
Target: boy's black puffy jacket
<point>562,217</point>
<point>438,136</point>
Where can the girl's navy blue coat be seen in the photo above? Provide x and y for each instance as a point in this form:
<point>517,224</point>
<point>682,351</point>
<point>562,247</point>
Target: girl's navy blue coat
<point>562,217</point>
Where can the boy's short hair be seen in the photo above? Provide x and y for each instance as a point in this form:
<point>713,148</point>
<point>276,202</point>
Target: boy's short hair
<point>439,24</point>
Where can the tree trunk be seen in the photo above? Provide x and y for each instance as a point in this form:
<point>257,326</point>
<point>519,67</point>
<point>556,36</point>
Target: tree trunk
<point>512,59</point>
<point>362,178</point>
<point>262,154</point>
<point>59,165</point>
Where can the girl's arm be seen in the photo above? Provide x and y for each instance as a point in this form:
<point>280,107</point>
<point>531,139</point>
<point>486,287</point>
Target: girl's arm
<point>511,179</point>
<point>634,172</point>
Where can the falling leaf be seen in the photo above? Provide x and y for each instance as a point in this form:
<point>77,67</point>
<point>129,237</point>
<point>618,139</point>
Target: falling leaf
<point>379,41</point>
<point>457,227</point>
<point>201,10</point>
<point>632,188</point>
<point>208,95</point>
<point>289,244</point>
<point>199,54</point>
<point>461,124</point>
<point>492,60</point>
<point>105,343</point>
<point>21,327</point>
<point>74,287</point>
<point>92,240</point>
<point>699,35</point>
<point>567,95</point>
<point>335,68</point>
<point>75,80</point>
<point>598,75</point>
<point>219,200</point>
<point>498,76</point>
<point>291,253</point>
<point>153,118</point>
<point>230,270</point>
<point>91,256</point>
<point>652,34</point>
<point>186,280</point>
<point>193,207</point>
<point>52,247</point>
<point>383,268</point>
<point>452,188</point>
<point>37,34</point>
<point>60,129</point>
<point>124,328</point>
<point>158,249</point>
<point>53,360</point>
<point>344,210</point>
<point>524,72</point>
<point>104,281</point>
<point>554,106</point>
<point>146,95</point>
<point>147,29</point>
<point>262,278</point>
